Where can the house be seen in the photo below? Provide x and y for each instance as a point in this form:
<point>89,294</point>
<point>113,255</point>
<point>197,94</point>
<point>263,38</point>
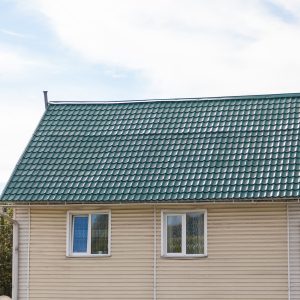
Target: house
<point>163,199</point>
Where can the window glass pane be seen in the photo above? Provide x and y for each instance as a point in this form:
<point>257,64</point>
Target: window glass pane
<point>80,233</point>
<point>99,236</point>
<point>174,229</point>
<point>194,233</point>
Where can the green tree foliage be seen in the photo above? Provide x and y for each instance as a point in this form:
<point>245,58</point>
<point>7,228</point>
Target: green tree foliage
<point>6,233</point>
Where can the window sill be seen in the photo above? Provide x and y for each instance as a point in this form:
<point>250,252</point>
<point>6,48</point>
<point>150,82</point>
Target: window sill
<point>89,256</point>
<point>188,257</point>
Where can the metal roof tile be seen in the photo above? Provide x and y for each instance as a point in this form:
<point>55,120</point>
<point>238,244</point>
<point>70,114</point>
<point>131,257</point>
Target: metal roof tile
<point>168,150</point>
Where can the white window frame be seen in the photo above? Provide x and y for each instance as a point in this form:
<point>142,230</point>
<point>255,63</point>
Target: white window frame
<point>164,214</point>
<point>70,231</point>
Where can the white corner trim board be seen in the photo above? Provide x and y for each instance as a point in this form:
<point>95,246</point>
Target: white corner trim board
<point>293,220</point>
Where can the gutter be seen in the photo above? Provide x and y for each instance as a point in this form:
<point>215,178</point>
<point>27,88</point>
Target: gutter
<point>15,263</point>
<point>246,201</point>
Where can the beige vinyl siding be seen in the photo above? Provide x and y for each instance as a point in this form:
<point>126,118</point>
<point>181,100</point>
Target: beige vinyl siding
<point>294,250</point>
<point>22,215</point>
<point>247,256</point>
<point>127,274</point>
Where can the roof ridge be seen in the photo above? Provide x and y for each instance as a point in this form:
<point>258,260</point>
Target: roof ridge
<point>218,98</point>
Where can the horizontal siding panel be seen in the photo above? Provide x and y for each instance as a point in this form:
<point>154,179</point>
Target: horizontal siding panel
<point>247,257</point>
<point>127,274</point>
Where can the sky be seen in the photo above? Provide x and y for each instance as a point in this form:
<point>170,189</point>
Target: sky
<point>120,50</point>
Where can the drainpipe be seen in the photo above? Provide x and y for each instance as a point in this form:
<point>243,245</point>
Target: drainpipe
<point>154,255</point>
<point>15,263</point>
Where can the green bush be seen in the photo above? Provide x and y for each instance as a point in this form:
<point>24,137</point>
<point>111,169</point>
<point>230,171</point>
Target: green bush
<point>6,233</point>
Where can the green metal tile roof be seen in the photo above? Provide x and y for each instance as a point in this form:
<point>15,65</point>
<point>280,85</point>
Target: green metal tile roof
<point>192,149</point>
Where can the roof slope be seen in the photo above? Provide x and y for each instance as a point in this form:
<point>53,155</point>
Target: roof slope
<point>205,149</point>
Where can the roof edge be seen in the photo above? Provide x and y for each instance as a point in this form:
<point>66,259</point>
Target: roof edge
<point>180,201</point>
<point>243,97</point>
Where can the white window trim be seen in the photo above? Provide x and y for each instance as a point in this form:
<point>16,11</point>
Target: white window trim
<point>69,242</point>
<point>164,214</point>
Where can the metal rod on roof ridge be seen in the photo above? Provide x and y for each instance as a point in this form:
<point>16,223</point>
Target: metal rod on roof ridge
<point>46,98</point>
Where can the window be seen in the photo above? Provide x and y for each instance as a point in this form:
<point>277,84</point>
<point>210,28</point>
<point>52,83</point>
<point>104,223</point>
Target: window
<point>184,233</point>
<point>88,234</point>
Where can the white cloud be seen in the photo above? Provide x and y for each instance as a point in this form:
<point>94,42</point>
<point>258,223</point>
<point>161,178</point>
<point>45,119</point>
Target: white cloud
<point>188,47</point>
<point>15,34</point>
<point>14,62</point>
<point>11,62</point>
<point>291,5</point>
<point>17,126</point>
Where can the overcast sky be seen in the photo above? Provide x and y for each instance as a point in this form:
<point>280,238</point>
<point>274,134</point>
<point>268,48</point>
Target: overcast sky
<point>101,50</point>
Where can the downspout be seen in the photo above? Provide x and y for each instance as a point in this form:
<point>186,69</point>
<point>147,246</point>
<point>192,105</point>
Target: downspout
<point>15,263</point>
<point>28,253</point>
<point>288,242</point>
<point>154,253</point>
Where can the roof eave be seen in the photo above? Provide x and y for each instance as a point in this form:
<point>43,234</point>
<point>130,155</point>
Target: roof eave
<point>158,202</point>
